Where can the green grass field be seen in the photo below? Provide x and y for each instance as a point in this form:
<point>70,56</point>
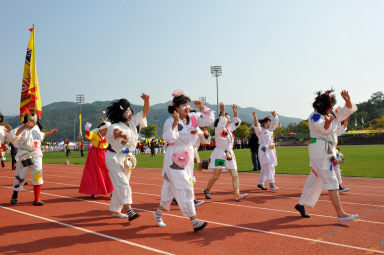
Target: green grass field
<point>360,161</point>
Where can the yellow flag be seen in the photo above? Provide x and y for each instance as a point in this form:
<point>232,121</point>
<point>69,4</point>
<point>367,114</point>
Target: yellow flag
<point>80,133</point>
<point>30,101</point>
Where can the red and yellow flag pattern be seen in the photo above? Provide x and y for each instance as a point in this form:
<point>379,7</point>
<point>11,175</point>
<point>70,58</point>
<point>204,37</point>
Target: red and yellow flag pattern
<point>30,101</point>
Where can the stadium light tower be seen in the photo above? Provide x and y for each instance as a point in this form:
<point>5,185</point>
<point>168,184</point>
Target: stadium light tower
<point>80,101</point>
<point>216,71</point>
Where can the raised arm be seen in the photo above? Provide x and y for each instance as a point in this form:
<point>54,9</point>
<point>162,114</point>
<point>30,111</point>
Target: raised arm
<point>236,121</point>
<point>347,98</point>
<point>255,122</point>
<point>235,113</point>
<point>207,116</point>
<point>275,121</point>
<point>256,125</point>
<point>146,107</point>
<point>342,113</point>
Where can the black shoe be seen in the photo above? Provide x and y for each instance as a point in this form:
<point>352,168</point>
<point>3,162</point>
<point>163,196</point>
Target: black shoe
<point>133,216</point>
<point>38,203</point>
<point>207,194</point>
<point>301,210</point>
<point>201,227</point>
<point>13,201</point>
<point>174,202</point>
<point>26,183</point>
<point>261,187</point>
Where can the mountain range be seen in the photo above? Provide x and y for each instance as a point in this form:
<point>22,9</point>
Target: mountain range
<point>64,116</point>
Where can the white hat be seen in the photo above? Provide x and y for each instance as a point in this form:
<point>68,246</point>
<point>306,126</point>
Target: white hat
<point>106,124</point>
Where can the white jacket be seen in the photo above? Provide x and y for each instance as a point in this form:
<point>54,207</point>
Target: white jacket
<point>266,154</point>
<point>324,141</point>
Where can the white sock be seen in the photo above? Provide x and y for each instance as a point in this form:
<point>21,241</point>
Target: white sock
<point>158,214</point>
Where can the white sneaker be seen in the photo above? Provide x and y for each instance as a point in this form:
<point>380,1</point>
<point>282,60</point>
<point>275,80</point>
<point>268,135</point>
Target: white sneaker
<point>160,223</point>
<point>344,190</point>
<point>122,215</point>
<point>274,188</point>
<point>241,196</point>
<point>198,202</point>
<point>348,218</point>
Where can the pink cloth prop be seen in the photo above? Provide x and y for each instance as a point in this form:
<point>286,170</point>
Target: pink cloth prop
<point>178,93</point>
<point>181,159</point>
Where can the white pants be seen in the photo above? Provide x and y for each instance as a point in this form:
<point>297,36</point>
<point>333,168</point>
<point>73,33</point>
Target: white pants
<point>21,174</point>
<point>196,154</point>
<point>316,182</point>
<point>267,174</point>
<point>122,192</point>
<point>338,173</point>
<point>184,198</point>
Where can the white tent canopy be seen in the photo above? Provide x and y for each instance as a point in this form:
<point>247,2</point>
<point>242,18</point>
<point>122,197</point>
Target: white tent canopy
<point>70,143</point>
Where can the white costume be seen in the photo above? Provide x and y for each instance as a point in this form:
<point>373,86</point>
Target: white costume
<point>122,193</point>
<point>3,134</point>
<point>28,144</point>
<point>224,139</point>
<point>340,131</point>
<point>321,149</point>
<point>178,160</point>
<point>267,152</point>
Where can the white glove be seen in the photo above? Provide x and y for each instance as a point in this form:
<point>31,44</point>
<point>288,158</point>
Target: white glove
<point>88,126</point>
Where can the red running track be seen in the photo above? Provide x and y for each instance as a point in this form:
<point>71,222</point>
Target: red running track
<point>265,222</point>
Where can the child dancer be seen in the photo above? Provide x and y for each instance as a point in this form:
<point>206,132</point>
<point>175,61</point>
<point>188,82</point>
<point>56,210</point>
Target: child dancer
<point>3,134</point>
<point>267,152</point>
<point>223,156</point>
<point>180,133</point>
<point>323,124</point>
<point>27,139</point>
<point>122,138</point>
<point>3,148</point>
<point>95,179</point>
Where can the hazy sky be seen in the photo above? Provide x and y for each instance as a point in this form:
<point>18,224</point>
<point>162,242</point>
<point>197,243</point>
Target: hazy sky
<point>274,54</point>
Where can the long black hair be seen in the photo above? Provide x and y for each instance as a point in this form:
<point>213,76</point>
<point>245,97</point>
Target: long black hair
<point>1,118</point>
<point>324,101</point>
<point>116,110</point>
<point>179,100</point>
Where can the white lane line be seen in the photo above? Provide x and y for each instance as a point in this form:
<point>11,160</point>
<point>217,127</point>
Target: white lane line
<point>255,180</point>
<point>88,231</point>
<point>178,216</point>
<point>208,202</point>
<point>257,194</point>
<point>254,186</point>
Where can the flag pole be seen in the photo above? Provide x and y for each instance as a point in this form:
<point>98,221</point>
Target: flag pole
<point>33,27</point>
